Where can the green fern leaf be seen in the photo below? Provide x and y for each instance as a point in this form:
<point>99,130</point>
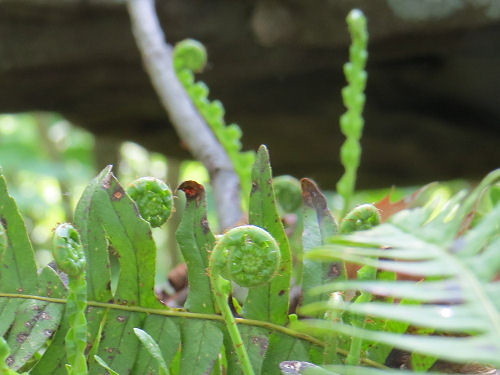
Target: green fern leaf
<point>458,294</point>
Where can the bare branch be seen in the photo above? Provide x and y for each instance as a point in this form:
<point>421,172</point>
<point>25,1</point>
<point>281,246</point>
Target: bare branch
<point>190,126</point>
<point>65,2</point>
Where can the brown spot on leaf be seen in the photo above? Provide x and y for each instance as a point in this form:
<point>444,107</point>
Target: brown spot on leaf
<point>4,223</point>
<point>45,316</point>
<point>262,342</point>
<point>118,193</point>
<point>335,270</point>
<point>10,360</point>
<point>312,196</point>
<point>255,186</point>
<point>106,182</point>
<point>48,332</point>
<point>121,318</point>
<point>204,225</point>
<point>193,190</point>
<point>21,337</point>
<point>20,290</point>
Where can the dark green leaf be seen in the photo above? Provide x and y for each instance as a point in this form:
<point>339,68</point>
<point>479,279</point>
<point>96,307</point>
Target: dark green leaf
<point>201,345</point>
<point>319,225</point>
<point>282,348</point>
<point>166,332</point>
<point>256,342</point>
<point>118,345</point>
<point>195,241</point>
<point>269,302</point>
<point>17,265</point>
<point>153,348</point>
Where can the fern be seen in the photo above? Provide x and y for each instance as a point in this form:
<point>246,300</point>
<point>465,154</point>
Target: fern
<point>190,56</point>
<point>351,122</point>
<point>120,267</point>
<point>458,296</point>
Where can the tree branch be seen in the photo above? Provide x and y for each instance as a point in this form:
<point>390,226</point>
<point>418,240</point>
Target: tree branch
<point>65,2</point>
<point>187,121</point>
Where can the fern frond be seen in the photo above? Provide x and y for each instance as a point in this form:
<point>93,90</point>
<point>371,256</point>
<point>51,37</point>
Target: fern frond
<point>457,295</point>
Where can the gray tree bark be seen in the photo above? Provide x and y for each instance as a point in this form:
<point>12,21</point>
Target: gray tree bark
<point>187,121</point>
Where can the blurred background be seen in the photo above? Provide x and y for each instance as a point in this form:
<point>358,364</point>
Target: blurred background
<point>76,98</point>
<point>48,162</point>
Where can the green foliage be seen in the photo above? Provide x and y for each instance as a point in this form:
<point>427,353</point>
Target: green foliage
<point>351,123</point>
<point>68,254</point>
<point>106,318</point>
<point>269,302</point>
<point>362,217</point>
<point>196,240</point>
<point>190,55</point>
<point>247,255</point>
<point>152,347</point>
<point>111,230</point>
<point>458,296</point>
<point>319,225</point>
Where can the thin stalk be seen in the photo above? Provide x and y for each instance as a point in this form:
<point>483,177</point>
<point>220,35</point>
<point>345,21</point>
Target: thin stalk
<point>189,315</point>
<point>221,285</point>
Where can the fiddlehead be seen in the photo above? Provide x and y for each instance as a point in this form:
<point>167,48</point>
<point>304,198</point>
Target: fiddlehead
<point>67,250</point>
<point>288,193</point>
<point>154,199</point>
<point>70,258</point>
<point>362,217</point>
<point>249,256</point>
<point>190,55</point>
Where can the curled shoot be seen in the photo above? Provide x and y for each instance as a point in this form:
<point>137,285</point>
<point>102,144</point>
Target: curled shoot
<point>351,122</point>
<point>190,56</point>
<point>153,198</point>
<point>249,256</point>
<point>362,217</point>
<point>69,256</point>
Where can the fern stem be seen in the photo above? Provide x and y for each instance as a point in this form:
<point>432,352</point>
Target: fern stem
<point>189,315</point>
<point>351,122</point>
<point>221,287</point>
<point>354,356</point>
